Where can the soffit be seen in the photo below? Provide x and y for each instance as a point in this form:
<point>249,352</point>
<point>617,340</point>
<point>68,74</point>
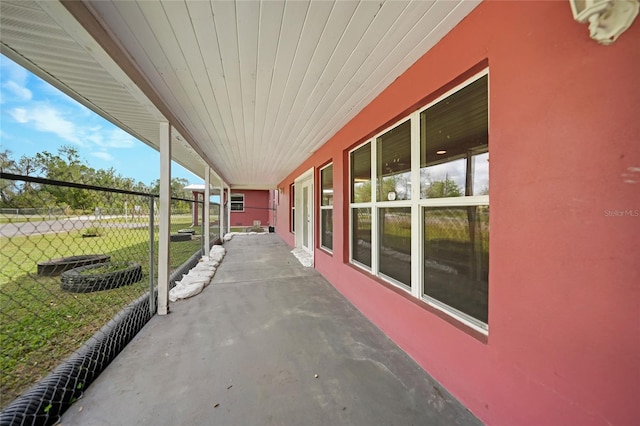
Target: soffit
<point>32,34</point>
<point>258,86</point>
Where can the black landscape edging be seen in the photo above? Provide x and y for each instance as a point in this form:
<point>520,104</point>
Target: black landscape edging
<point>47,400</point>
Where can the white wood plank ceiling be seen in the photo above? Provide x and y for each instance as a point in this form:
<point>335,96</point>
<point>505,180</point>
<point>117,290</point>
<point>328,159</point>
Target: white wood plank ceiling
<point>255,86</point>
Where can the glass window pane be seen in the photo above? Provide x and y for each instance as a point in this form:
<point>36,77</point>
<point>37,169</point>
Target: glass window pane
<point>292,200</point>
<point>453,133</point>
<point>361,236</point>
<point>361,174</point>
<point>480,174</point>
<point>456,258</point>
<point>326,181</point>
<point>326,239</point>
<point>394,164</point>
<point>395,243</point>
<point>237,202</point>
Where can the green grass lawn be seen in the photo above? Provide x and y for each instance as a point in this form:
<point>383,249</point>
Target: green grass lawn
<point>40,324</point>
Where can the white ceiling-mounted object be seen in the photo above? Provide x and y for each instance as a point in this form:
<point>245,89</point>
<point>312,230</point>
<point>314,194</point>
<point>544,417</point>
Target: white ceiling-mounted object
<point>607,18</point>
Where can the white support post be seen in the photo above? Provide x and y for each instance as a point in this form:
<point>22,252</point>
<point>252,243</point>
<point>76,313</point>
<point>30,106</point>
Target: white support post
<point>165,218</point>
<point>207,197</point>
<point>221,217</point>
<point>229,207</point>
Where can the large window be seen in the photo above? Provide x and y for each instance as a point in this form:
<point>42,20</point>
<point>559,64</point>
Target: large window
<point>423,225</point>
<point>237,202</point>
<point>326,207</point>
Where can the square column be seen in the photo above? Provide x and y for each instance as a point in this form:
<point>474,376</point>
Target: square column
<point>207,197</point>
<point>164,218</point>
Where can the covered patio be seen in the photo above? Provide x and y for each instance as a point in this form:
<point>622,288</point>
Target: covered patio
<point>247,351</point>
<point>359,116</point>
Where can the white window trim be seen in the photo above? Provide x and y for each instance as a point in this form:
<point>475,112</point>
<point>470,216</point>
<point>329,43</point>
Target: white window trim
<point>360,205</point>
<point>330,207</point>
<point>417,205</point>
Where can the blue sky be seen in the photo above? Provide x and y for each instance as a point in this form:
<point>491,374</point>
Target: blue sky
<point>36,117</point>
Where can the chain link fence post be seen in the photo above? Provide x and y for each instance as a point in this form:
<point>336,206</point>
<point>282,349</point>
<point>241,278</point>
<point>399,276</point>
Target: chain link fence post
<point>152,257</point>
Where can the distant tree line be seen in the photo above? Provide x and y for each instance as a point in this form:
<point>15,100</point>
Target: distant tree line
<point>67,166</point>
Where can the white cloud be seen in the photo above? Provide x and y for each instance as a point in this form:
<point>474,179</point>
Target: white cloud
<point>19,115</point>
<point>102,155</point>
<point>21,92</point>
<point>14,80</point>
<point>114,138</point>
<point>95,137</point>
<point>46,118</point>
<point>14,71</point>
<point>117,138</point>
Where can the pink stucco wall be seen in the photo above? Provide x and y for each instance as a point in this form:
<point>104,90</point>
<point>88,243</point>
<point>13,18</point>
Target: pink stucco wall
<point>256,207</point>
<point>564,286</point>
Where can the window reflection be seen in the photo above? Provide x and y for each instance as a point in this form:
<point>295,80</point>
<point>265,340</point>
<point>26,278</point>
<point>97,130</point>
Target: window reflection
<point>361,174</point>
<point>326,217</point>
<point>326,183</point>
<point>454,141</point>
<point>481,174</point>
<point>395,243</point>
<point>326,207</point>
<point>394,164</point>
<point>456,258</point>
<point>361,235</point>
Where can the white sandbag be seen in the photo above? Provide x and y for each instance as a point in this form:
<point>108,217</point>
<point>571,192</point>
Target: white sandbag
<point>204,268</point>
<point>229,236</point>
<point>191,280</point>
<point>198,277</point>
<point>196,273</point>
<point>217,248</point>
<point>210,262</point>
<point>181,291</point>
<point>217,254</point>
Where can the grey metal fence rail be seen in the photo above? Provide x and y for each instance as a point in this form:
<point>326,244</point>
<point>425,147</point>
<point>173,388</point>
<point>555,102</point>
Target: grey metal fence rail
<point>76,284</point>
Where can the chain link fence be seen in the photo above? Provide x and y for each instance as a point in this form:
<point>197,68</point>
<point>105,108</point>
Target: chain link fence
<point>76,284</point>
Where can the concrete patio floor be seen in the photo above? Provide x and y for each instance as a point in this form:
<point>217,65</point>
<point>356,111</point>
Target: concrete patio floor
<point>246,351</point>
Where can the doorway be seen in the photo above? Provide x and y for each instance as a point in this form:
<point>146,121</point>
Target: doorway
<point>304,211</point>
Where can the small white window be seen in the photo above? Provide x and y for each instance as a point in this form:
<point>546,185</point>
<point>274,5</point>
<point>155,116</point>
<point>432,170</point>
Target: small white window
<point>237,202</point>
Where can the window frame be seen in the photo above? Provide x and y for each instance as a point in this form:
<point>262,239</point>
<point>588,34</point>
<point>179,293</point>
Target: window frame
<point>360,205</point>
<point>292,208</point>
<point>232,202</point>
<point>417,205</point>
<point>325,207</point>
